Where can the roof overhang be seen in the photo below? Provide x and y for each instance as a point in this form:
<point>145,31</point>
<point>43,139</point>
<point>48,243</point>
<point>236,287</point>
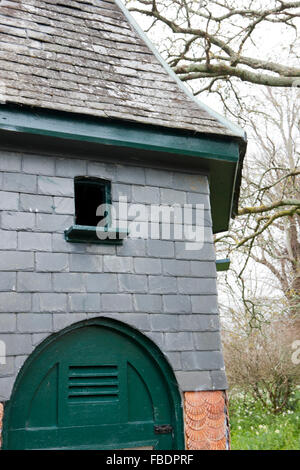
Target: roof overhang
<point>61,132</point>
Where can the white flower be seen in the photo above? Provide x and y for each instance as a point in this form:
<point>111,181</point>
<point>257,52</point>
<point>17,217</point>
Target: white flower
<point>277,431</point>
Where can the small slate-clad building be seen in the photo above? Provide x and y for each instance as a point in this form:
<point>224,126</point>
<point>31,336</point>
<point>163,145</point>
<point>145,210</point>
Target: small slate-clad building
<point>110,338</point>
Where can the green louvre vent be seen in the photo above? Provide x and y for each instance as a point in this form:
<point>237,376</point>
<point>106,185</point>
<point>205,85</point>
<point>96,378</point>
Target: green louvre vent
<point>93,384</point>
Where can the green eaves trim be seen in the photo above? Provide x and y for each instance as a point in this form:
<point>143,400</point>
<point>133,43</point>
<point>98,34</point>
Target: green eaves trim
<point>117,133</point>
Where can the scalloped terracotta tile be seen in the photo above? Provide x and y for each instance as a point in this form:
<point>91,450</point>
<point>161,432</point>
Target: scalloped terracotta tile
<point>206,420</point>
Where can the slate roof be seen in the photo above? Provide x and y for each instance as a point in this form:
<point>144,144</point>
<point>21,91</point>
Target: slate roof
<point>87,57</point>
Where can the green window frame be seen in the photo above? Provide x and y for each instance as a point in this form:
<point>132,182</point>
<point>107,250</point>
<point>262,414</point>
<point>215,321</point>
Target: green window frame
<point>90,193</point>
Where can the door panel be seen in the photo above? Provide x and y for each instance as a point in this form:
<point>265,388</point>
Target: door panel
<point>92,387</point>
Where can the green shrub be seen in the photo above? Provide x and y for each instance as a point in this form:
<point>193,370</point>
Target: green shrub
<point>255,428</point>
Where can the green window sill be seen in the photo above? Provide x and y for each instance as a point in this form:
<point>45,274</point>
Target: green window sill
<point>87,234</point>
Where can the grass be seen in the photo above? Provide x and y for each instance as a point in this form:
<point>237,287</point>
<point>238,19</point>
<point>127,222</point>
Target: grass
<point>255,428</point>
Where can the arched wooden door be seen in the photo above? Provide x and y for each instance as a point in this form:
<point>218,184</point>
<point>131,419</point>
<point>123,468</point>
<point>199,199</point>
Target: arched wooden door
<point>96,385</point>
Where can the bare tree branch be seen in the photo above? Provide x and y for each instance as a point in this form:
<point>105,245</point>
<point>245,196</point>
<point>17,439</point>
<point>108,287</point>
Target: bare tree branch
<point>274,205</point>
<point>220,31</point>
<point>270,220</point>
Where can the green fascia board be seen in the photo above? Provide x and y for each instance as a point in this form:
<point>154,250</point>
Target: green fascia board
<point>218,157</point>
<point>117,133</point>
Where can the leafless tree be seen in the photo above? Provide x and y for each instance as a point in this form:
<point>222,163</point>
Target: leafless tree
<point>221,39</point>
<point>214,46</point>
<point>260,364</point>
<point>267,230</point>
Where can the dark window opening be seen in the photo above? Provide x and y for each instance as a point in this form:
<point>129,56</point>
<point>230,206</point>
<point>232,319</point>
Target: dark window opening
<point>90,193</point>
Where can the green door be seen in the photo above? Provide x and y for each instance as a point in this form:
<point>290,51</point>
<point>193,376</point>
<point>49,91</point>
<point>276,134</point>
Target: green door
<point>96,385</point>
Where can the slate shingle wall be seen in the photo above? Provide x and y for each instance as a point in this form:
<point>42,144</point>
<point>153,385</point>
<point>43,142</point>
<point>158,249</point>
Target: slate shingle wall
<point>157,286</point>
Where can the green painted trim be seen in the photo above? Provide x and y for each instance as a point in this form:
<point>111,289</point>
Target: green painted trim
<point>117,133</point>
<point>219,158</point>
<point>238,131</point>
<point>87,234</point>
<point>223,264</point>
<point>152,349</point>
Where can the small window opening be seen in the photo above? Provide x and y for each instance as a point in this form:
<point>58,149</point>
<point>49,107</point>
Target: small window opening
<point>90,193</point>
